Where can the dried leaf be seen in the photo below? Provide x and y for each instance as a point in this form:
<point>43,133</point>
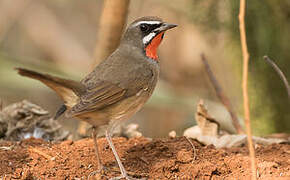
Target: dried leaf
<point>24,119</point>
<point>131,130</point>
<point>208,125</point>
<point>207,132</point>
<point>228,140</point>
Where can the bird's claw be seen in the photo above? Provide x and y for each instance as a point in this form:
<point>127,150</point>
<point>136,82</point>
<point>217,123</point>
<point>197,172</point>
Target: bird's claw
<point>126,177</point>
<point>99,173</point>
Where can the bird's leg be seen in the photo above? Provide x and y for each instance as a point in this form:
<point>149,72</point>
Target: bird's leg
<point>109,139</point>
<point>124,173</point>
<point>94,135</point>
<point>100,165</point>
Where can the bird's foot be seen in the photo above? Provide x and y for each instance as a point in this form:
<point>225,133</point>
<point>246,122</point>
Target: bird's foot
<point>126,177</point>
<point>98,173</point>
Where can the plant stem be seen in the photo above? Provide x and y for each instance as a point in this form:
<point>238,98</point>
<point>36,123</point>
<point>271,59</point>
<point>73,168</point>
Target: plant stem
<point>245,87</point>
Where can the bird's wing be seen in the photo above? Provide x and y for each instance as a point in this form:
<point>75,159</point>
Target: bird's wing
<point>98,96</point>
<point>112,81</point>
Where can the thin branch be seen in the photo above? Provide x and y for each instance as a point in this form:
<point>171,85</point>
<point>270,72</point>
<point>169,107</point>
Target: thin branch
<point>221,95</point>
<point>245,87</point>
<point>193,147</point>
<point>280,73</point>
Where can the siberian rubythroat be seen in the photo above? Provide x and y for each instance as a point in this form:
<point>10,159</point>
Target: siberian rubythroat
<point>118,87</point>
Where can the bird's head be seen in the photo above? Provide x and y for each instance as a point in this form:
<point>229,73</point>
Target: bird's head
<point>147,33</point>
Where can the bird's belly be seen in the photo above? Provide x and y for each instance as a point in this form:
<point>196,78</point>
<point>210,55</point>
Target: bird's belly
<point>128,107</point>
<point>120,111</point>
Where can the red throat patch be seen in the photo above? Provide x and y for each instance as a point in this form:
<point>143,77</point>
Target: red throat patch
<point>151,49</point>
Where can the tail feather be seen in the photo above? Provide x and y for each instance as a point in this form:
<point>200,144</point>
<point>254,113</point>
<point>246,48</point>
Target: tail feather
<point>60,111</point>
<point>68,90</point>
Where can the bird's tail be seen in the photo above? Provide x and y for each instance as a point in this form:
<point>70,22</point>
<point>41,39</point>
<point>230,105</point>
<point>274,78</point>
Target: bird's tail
<point>68,90</point>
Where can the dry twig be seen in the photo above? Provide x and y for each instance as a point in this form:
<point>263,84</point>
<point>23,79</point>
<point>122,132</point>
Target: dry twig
<point>280,73</point>
<point>221,95</point>
<point>193,147</point>
<point>245,87</point>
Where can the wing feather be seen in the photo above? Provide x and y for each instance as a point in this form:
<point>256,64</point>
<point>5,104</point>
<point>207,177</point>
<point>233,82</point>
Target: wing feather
<point>101,95</point>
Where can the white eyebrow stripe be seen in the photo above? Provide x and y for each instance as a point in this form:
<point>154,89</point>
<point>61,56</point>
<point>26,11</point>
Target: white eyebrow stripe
<point>147,22</point>
<point>148,38</point>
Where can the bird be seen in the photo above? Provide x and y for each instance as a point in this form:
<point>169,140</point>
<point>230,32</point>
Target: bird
<point>116,88</point>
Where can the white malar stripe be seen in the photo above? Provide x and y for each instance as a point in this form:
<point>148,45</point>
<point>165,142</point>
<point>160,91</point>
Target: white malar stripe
<point>147,22</point>
<point>148,38</point>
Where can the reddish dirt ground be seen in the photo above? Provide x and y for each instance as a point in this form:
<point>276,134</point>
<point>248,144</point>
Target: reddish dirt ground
<point>171,158</point>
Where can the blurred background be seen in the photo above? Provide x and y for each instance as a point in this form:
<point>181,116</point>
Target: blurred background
<point>63,37</point>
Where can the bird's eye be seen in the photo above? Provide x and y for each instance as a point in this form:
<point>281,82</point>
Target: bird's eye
<point>144,27</point>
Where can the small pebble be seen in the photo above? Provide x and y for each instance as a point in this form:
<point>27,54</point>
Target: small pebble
<point>172,134</point>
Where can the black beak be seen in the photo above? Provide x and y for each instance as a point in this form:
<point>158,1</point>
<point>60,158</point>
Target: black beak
<point>165,27</point>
